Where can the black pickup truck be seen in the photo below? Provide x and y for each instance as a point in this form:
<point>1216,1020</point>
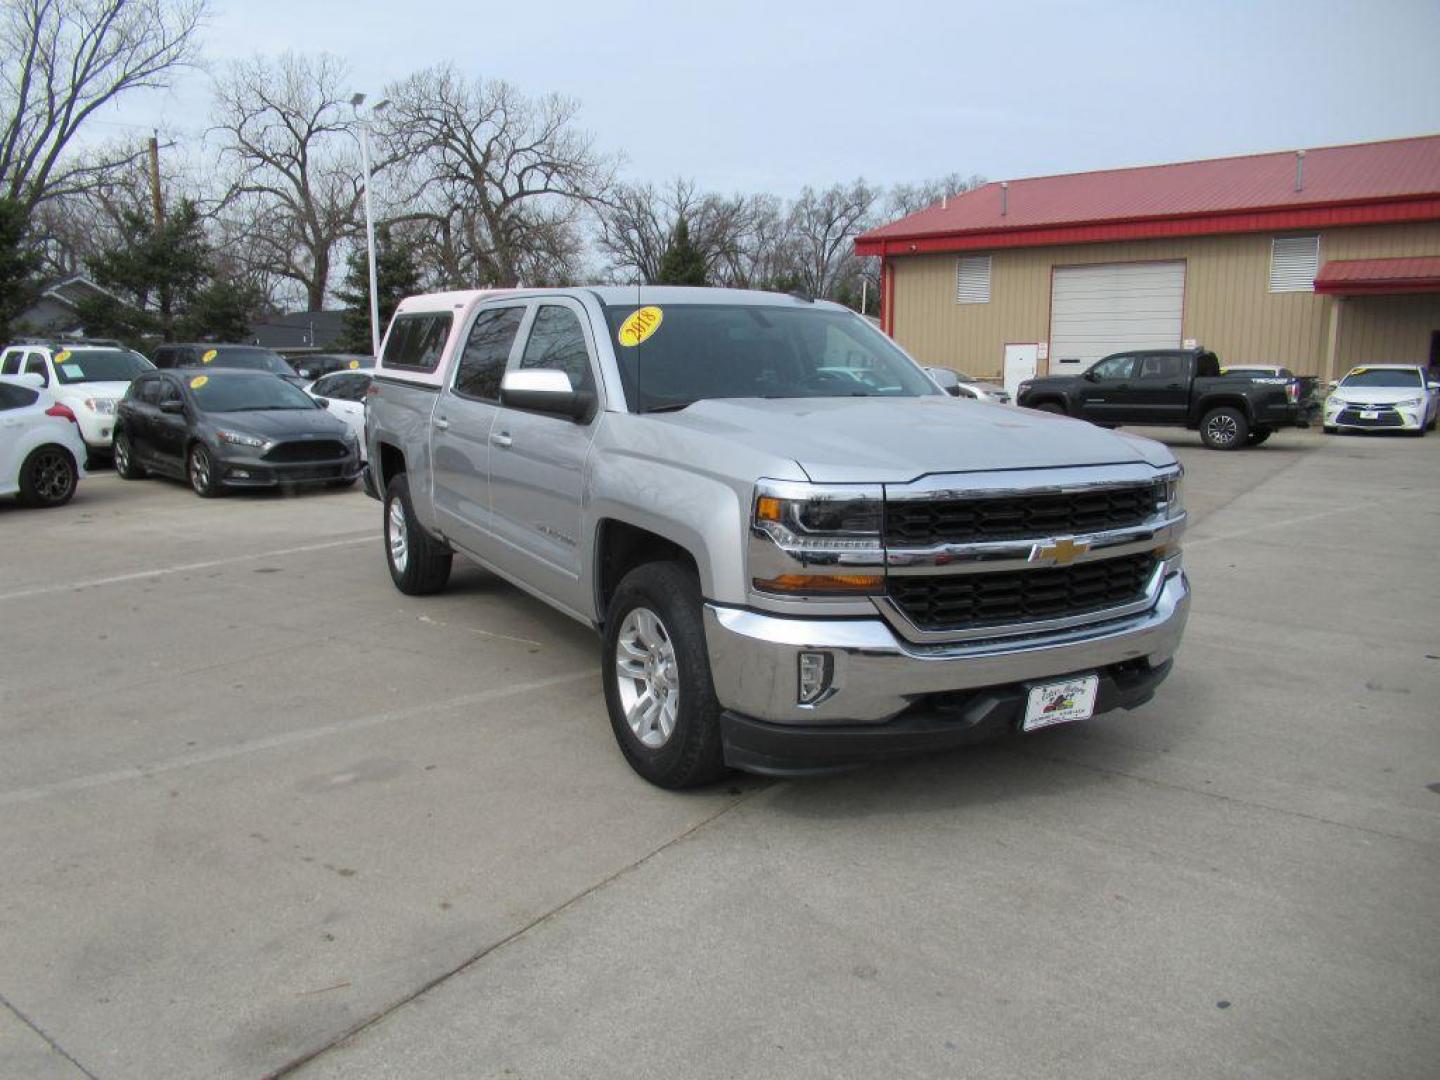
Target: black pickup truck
<point>1177,388</point>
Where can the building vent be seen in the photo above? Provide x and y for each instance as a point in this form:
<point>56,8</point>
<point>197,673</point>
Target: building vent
<point>1294,262</point>
<point>972,280</point>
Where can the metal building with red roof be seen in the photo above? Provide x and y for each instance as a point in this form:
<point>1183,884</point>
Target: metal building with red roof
<point>1313,259</point>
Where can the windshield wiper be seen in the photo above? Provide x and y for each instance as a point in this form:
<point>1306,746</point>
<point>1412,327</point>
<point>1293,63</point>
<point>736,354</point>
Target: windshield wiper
<point>669,406</point>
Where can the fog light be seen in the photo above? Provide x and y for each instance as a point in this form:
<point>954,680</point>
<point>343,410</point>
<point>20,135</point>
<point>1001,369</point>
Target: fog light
<point>816,671</point>
<point>240,474</point>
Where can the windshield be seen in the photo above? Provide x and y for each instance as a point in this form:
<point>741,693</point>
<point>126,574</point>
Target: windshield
<point>689,352</point>
<point>245,393</point>
<point>1402,378</point>
<point>99,365</point>
<point>246,360</point>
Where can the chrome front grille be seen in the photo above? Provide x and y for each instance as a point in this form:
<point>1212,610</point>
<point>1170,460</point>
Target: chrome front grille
<point>925,522</point>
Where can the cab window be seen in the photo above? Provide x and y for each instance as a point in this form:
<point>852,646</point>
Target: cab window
<point>416,342</point>
<point>35,365</point>
<point>1113,368</point>
<point>11,363</point>
<point>477,375</point>
<point>557,343</point>
<point>1162,368</point>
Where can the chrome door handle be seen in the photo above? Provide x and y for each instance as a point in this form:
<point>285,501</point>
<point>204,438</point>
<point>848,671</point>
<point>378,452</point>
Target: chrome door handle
<point>501,438</point>
<point>441,423</point>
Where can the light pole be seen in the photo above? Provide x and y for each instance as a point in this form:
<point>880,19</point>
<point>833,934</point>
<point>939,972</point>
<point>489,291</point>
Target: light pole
<point>357,101</point>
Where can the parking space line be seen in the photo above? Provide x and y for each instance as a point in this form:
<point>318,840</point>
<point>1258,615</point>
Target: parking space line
<point>139,575</point>
<point>274,742</point>
<point>1283,523</point>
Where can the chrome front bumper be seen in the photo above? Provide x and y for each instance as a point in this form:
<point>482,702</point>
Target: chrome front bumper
<point>754,659</point>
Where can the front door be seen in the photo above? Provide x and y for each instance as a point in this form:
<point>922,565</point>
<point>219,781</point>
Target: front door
<point>460,430</point>
<point>1107,389</point>
<point>1020,364</point>
<point>537,462</point>
<point>168,432</point>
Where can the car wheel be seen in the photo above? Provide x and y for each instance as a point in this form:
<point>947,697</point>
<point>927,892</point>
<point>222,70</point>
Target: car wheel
<point>200,468</point>
<point>1224,429</point>
<point>125,463</point>
<point>656,672</point>
<point>419,563</point>
<point>1259,435</point>
<point>48,477</point>
<point>1330,429</point>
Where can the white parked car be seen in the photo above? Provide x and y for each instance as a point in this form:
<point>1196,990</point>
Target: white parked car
<point>346,392</point>
<point>1393,397</point>
<point>42,456</point>
<point>88,379</point>
<point>958,384</point>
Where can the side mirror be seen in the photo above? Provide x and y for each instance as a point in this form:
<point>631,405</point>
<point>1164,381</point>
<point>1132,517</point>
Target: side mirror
<point>323,402</point>
<point>1090,376</point>
<point>546,391</point>
<point>1432,386</point>
<point>946,379</point>
<point>175,408</point>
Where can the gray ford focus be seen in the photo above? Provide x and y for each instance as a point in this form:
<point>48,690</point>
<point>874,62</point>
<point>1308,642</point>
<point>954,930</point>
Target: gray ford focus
<point>231,429</point>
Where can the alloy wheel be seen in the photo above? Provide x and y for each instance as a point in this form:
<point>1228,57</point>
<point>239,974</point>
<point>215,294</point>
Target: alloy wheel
<point>199,469</point>
<point>54,477</point>
<point>1221,429</point>
<point>648,677</point>
<point>399,537</point>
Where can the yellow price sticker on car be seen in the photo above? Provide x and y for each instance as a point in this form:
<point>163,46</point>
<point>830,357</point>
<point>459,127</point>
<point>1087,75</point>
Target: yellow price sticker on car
<point>1360,371</point>
<point>210,354</point>
<point>354,364</point>
<point>639,326</point>
<point>62,356</point>
<point>199,381</point>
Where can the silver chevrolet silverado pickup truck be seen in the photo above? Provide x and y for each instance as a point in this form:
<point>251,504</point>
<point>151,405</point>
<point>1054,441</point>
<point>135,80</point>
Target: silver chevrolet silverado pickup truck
<point>799,552</point>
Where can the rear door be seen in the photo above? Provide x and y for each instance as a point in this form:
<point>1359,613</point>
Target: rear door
<point>537,460</point>
<point>1105,393</point>
<point>461,427</point>
<point>1161,389</point>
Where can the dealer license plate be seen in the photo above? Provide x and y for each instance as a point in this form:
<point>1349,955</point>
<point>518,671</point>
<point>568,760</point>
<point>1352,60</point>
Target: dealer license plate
<point>1369,414</point>
<point>1061,702</point>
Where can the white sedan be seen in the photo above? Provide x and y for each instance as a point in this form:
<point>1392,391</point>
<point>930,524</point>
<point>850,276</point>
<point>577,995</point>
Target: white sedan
<point>1390,397</point>
<point>42,456</point>
<point>345,393</point>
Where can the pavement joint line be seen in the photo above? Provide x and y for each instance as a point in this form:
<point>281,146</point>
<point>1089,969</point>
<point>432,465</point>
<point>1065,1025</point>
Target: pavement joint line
<point>140,575</point>
<point>10,1006</point>
<point>1218,796</point>
<point>273,742</point>
<point>1268,525</point>
<point>289,1068</point>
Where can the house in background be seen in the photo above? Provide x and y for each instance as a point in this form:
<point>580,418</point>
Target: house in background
<point>55,312</point>
<point>299,330</point>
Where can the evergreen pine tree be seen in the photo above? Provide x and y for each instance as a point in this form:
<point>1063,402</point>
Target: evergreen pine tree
<point>17,265</point>
<point>682,263</point>
<point>397,276</point>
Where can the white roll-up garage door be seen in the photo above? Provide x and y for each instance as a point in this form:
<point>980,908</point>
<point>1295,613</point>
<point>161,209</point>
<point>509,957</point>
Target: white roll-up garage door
<point>1099,310</point>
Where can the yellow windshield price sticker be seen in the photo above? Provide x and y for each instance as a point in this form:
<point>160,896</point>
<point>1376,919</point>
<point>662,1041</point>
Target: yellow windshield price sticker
<point>210,354</point>
<point>639,326</point>
<point>1360,371</point>
<point>62,356</point>
<point>199,381</point>
<point>354,364</point>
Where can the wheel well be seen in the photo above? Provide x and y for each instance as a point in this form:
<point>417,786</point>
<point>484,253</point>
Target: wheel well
<point>619,548</point>
<point>1211,404</point>
<point>1048,399</point>
<point>392,464</point>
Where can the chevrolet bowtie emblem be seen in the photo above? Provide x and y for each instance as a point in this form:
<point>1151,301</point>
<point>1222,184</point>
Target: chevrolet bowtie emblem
<point>1060,553</point>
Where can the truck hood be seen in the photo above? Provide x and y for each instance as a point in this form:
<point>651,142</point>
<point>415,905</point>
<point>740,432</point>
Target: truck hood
<point>895,440</point>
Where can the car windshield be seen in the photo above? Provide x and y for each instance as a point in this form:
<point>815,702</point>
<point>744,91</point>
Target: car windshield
<point>99,365</point>
<point>1402,378</point>
<point>245,393</point>
<point>675,355</point>
<point>246,360</point>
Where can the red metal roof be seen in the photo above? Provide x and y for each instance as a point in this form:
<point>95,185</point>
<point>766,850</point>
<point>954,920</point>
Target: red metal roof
<point>1367,182</point>
<point>1353,277</point>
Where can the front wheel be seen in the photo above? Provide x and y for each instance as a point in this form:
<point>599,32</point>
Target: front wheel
<point>125,463</point>
<point>1224,429</point>
<point>48,477</point>
<point>419,563</point>
<point>200,468</point>
<point>656,671</point>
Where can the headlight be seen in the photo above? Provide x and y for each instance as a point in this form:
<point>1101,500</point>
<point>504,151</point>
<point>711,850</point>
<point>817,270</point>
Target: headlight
<point>105,406</point>
<point>1022,388</point>
<point>1170,494</point>
<point>1410,402</point>
<point>239,439</point>
<point>816,540</point>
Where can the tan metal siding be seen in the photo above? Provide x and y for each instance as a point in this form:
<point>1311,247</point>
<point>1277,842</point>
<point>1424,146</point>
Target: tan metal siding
<point>1387,330</point>
<point>1228,303</point>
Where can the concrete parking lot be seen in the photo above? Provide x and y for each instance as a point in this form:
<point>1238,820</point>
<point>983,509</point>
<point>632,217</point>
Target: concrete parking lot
<point>262,814</point>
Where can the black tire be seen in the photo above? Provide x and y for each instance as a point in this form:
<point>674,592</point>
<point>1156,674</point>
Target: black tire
<point>1050,407</point>
<point>48,477</point>
<point>1224,428</point>
<point>340,485</point>
<point>125,463</point>
<point>692,753</point>
<point>419,564</point>
<point>1330,429</point>
<point>1259,435</point>
<point>200,470</point>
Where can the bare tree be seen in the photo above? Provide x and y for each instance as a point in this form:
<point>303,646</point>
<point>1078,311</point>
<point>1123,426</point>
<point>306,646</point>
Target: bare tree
<point>64,59</point>
<point>906,199</point>
<point>823,226</point>
<point>498,179</point>
<point>296,187</point>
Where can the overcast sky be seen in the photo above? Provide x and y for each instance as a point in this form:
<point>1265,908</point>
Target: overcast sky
<point>773,95</point>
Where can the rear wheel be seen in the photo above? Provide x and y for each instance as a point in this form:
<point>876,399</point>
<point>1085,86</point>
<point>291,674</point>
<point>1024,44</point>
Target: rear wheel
<point>1224,429</point>
<point>656,670</point>
<point>48,477</point>
<point>200,468</point>
<point>419,563</point>
<point>125,463</point>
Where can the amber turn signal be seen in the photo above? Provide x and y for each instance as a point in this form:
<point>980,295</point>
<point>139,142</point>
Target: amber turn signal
<point>822,584</point>
<point>767,508</point>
